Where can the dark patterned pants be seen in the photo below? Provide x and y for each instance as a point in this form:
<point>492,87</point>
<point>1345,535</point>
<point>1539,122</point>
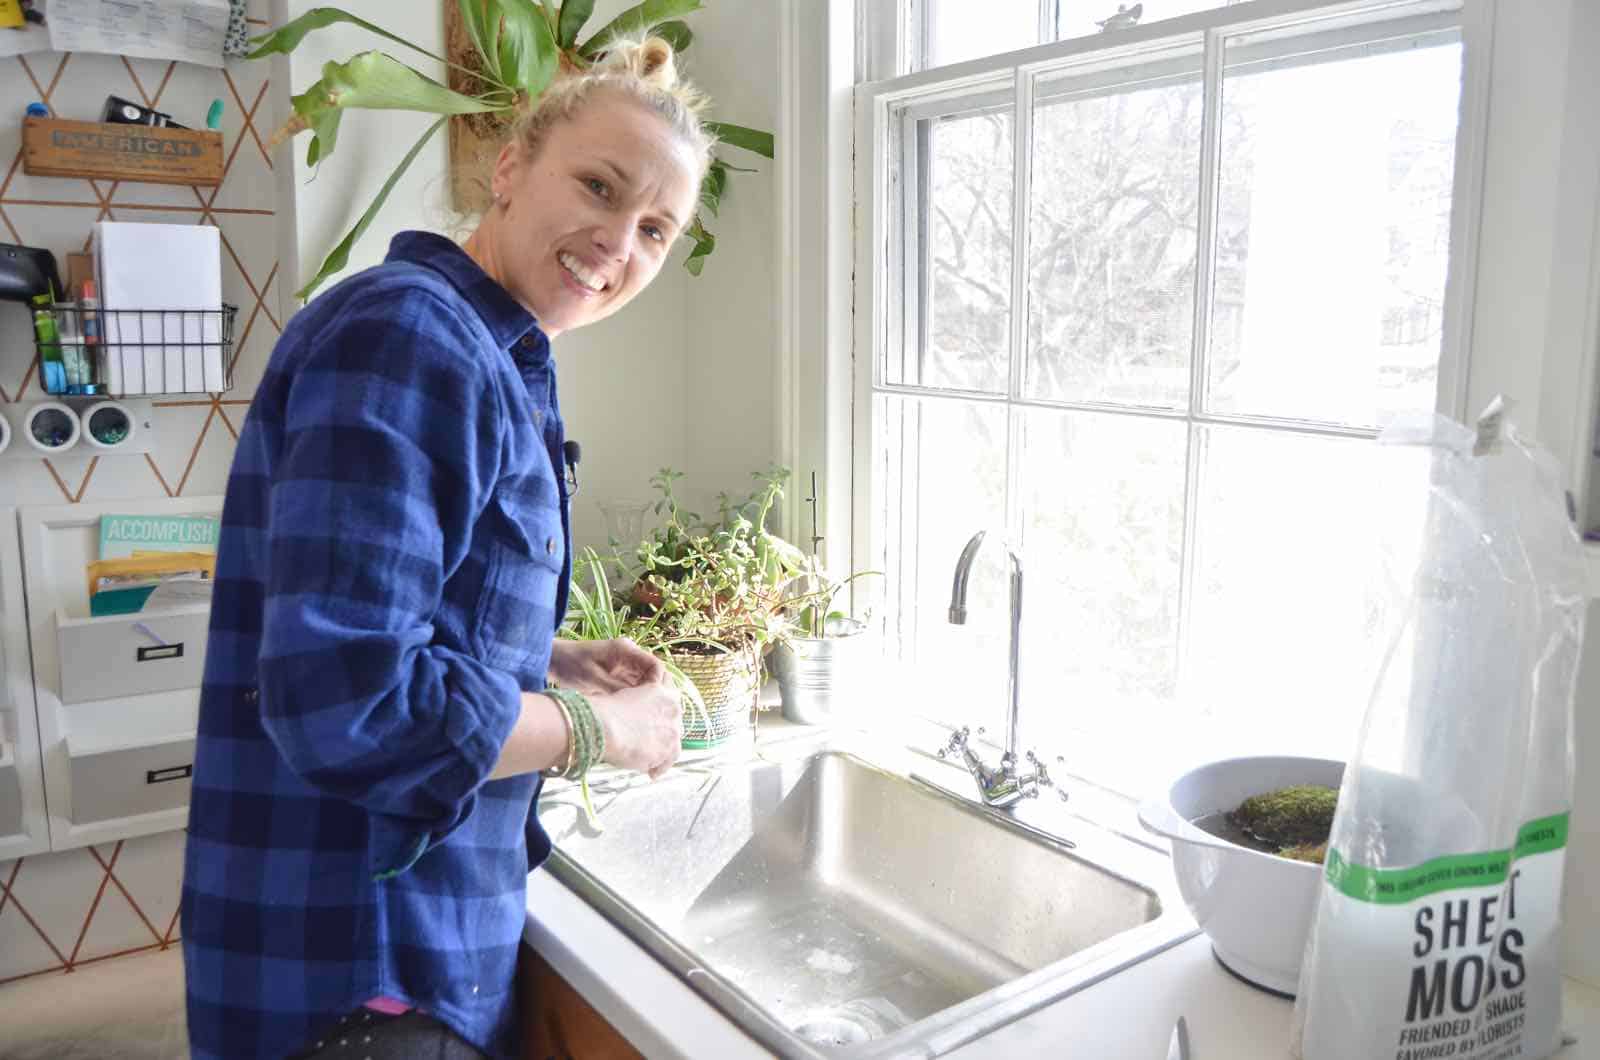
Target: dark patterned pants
<point>368,1035</point>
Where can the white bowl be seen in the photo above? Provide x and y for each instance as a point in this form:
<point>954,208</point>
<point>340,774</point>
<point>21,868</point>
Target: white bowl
<point>1257,908</point>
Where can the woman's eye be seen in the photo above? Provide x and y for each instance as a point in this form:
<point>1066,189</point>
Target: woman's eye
<point>598,186</point>
<point>654,233</point>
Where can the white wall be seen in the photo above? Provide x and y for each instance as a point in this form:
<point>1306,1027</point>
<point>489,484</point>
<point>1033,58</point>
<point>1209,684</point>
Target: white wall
<point>733,324</point>
<point>1532,336</point>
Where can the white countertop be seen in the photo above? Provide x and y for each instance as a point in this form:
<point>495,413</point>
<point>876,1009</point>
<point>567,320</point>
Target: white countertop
<point>1127,1016</point>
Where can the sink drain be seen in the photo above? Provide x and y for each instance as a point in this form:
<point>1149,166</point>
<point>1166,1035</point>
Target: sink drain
<point>834,1030</point>
<point>852,1023</point>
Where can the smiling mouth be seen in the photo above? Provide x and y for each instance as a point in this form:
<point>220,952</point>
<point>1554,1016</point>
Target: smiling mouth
<point>578,271</point>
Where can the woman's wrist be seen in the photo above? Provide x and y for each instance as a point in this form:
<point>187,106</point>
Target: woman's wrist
<point>586,732</point>
<point>567,761</point>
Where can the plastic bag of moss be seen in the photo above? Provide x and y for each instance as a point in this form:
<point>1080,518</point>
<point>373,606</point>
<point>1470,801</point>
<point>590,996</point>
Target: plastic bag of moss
<point>1437,929</point>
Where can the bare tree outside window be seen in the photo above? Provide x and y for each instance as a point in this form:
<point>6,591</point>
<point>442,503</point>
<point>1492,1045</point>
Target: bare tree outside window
<point>1161,525</point>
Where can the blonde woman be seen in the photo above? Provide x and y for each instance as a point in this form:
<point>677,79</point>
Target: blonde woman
<point>393,565</point>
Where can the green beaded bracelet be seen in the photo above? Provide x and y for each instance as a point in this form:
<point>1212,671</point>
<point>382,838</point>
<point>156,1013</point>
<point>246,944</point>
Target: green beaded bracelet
<point>588,738</point>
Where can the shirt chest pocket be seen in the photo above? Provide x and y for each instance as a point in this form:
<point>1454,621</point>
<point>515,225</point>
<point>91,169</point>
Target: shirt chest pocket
<point>526,552</point>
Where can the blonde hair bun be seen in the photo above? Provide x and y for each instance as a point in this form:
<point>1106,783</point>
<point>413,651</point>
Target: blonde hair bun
<point>650,60</point>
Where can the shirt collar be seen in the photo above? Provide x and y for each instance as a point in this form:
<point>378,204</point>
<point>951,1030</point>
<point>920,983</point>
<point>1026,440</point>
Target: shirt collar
<point>506,319</point>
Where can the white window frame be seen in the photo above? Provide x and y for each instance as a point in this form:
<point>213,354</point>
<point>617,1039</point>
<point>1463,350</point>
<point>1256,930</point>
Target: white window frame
<point>1202,33</point>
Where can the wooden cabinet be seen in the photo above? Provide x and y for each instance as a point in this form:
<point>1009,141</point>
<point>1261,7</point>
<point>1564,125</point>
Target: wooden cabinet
<point>557,1023</point>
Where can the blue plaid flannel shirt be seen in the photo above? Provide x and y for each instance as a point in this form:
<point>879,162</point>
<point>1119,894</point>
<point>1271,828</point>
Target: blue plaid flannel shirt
<point>392,567</point>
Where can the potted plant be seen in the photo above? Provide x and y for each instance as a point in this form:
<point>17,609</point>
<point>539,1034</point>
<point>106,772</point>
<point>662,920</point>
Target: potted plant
<point>824,654</point>
<point>706,596</point>
<point>517,48</point>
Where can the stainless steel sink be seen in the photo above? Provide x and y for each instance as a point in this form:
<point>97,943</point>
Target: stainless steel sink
<point>835,904</point>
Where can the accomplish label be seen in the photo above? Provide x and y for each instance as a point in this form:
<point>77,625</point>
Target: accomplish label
<point>123,535</point>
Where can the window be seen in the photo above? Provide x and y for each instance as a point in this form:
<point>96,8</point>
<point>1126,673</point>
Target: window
<point>1145,310</point>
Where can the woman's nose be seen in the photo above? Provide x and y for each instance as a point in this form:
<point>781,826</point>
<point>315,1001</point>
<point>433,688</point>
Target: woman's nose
<point>615,239</point>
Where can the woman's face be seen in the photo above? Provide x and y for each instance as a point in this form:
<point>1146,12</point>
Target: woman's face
<point>586,222</point>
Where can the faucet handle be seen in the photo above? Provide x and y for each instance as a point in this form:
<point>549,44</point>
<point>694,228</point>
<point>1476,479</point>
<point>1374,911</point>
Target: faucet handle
<point>958,742</point>
<point>1041,777</point>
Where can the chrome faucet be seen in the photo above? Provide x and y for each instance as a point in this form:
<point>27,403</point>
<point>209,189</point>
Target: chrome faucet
<point>1002,786</point>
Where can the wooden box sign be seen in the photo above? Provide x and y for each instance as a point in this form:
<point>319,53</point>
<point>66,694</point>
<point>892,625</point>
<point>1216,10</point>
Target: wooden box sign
<point>52,147</point>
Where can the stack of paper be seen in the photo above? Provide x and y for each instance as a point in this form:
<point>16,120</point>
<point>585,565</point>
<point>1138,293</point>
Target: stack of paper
<point>157,269</point>
<point>149,562</point>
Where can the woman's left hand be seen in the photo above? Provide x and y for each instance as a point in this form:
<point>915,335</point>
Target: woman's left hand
<point>601,666</point>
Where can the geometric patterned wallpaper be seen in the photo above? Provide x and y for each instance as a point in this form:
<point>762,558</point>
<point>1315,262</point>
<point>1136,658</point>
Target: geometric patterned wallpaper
<point>60,911</point>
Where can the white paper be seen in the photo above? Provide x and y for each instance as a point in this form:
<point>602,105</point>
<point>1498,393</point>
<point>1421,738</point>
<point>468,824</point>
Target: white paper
<point>161,267</point>
<point>31,38</point>
<point>179,592</point>
<point>190,31</point>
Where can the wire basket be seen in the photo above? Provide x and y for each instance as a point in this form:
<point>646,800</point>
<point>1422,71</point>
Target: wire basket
<point>129,352</point>
<point>730,684</point>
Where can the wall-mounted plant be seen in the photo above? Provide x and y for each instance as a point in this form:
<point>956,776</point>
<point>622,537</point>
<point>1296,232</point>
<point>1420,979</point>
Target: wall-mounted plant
<point>518,47</point>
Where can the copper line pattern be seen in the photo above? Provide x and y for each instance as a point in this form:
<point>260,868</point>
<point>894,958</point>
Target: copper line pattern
<point>72,498</point>
<point>5,888</point>
<point>161,89</point>
<point>224,211</point>
<point>249,114</point>
<point>226,422</point>
<point>195,452</point>
<point>125,892</point>
<point>167,939</point>
<point>16,902</point>
<point>265,308</point>
<point>137,83</point>
<point>159,476</point>
<point>94,906</point>
<point>260,307</point>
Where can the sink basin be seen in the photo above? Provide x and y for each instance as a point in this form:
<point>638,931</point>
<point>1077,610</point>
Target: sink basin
<point>835,904</point>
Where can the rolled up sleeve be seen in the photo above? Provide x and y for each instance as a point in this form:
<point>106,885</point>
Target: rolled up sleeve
<point>390,449</point>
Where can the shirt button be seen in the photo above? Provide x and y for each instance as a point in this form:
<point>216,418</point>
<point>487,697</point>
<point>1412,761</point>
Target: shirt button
<point>538,417</point>
<point>550,546</point>
<point>252,696</point>
<point>527,342</point>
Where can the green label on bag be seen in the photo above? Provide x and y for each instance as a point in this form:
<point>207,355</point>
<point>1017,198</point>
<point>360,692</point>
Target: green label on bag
<point>1397,886</point>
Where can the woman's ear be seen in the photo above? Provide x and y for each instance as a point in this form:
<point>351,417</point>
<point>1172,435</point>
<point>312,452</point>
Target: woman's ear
<point>505,171</point>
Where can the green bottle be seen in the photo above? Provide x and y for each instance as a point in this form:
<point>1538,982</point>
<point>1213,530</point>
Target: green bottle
<point>52,369</point>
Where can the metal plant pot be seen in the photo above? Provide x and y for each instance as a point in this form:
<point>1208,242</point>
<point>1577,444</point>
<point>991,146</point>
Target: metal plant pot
<point>819,678</point>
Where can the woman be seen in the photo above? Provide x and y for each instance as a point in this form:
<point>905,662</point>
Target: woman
<point>392,569</point>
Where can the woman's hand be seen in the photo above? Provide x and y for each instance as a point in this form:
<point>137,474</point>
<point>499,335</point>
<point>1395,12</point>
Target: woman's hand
<point>595,667</point>
<point>643,726</point>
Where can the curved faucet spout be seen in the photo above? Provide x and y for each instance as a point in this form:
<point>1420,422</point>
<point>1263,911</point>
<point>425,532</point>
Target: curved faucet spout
<point>958,616</point>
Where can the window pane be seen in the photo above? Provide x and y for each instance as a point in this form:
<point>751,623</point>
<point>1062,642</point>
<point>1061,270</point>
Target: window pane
<point>1292,608</point>
<point>1333,235</point>
<point>1115,199</point>
<point>941,468</point>
<point>968,29</point>
<point>956,240</point>
<point>1104,500</point>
